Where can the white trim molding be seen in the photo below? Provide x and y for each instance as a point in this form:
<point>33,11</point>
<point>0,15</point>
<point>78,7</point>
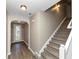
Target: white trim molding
<point>47,42</point>
<point>69,25</point>
<point>9,53</point>
<point>31,50</point>
<point>38,54</point>
<point>29,47</point>
<point>68,41</point>
<point>62,52</point>
<point>26,43</point>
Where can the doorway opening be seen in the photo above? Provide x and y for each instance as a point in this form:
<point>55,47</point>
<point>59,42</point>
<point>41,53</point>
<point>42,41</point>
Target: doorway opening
<point>19,32</point>
<point>19,41</point>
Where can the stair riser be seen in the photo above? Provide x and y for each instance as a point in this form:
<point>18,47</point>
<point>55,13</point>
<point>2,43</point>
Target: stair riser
<point>54,46</point>
<point>57,41</point>
<point>53,51</point>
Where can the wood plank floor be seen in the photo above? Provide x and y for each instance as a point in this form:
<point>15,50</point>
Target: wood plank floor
<point>20,51</point>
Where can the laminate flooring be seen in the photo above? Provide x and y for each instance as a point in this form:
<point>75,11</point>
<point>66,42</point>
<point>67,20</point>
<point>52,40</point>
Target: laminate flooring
<point>20,51</point>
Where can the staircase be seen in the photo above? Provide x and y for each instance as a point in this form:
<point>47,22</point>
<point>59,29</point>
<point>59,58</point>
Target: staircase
<point>52,50</point>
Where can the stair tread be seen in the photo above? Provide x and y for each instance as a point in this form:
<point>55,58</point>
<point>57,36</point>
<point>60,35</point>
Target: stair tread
<point>66,22</point>
<point>58,41</point>
<point>62,30</point>
<point>59,35</point>
<point>61,38</point>
<point>47,55</point>
<point>53,45</point>
<point>53,51</point>
<point>64,25</point>
<point>62,33</point>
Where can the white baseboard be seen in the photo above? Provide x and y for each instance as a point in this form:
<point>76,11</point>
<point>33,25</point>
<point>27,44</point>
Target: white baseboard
<point>47,42</point>
<point>9,53</point>
<point>31,50</point>
<point>17,41</point>
<point>39,55</point>
<point>25,43</point>
<point>69,25</point>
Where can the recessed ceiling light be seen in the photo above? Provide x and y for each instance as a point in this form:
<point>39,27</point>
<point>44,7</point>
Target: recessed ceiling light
<point>23,7</point>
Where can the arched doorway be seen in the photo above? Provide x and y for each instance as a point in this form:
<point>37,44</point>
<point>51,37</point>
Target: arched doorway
<point>19,41</point>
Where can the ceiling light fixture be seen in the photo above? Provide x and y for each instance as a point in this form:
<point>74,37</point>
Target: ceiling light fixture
<point>23,7</point>
<point>56,7</point>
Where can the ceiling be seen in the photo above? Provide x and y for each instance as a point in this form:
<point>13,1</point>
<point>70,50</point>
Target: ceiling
<point>33,6</point>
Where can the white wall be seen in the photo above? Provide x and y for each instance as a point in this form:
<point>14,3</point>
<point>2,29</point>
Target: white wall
<point>69,8</point>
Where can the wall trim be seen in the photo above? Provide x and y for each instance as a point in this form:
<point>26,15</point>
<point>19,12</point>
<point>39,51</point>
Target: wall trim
<point>62,52</point>
<point>69,39</point>
<point>25,42</point>
<point>39,55</point>
<point>9,53</point>
<point>29,47</point>
<point>29,34</point>
<point>31,50</point>
<point>17,41</point>
<point>69,25</point>
<point>47,42</point>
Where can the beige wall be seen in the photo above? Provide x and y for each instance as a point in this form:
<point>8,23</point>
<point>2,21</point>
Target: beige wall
<point>25,28</point>
<point>42,25</point>
<point>69,8</point>
<point>35,33</point>
<point>68,11</point>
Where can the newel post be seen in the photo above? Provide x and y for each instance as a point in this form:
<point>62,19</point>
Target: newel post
<point>62,52</point>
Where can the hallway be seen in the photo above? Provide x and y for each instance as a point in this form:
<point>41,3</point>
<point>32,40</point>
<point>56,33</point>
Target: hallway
<point>20,51</point>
